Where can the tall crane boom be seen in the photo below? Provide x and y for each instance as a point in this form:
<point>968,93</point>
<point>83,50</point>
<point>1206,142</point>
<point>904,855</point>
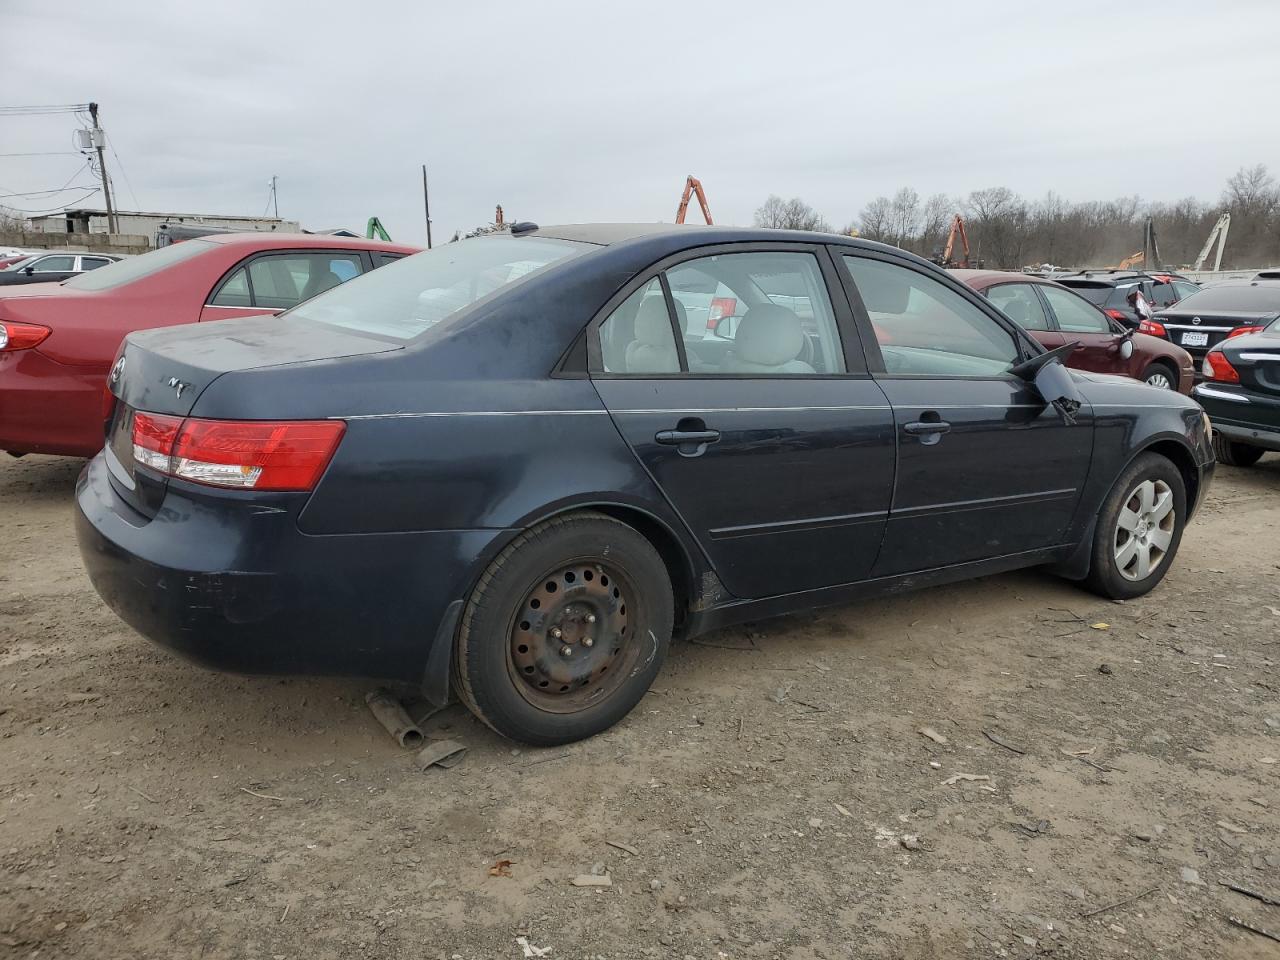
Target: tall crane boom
<point>693,185</point>
<point>1218,233</point>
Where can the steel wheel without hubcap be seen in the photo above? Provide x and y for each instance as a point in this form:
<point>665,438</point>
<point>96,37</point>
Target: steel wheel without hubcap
<point>570,645</point>
<point>1144,529</point>
<point>1160,380</point>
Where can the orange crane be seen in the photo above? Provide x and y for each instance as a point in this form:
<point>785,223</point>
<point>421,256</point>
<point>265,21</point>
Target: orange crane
<point>693,185</point>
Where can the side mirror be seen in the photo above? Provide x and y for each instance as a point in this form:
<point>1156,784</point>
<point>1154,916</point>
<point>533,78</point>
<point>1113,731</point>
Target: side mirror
<point>1126,347</point>
<point>1048,374</point>
<point>29,270</point>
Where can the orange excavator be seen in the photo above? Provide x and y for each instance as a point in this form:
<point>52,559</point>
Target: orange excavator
<point>946,260</point>
<point>693,185</point>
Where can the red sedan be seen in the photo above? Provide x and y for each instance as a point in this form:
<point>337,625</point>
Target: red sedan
<point>57,340</point>
<point>1055,315</point>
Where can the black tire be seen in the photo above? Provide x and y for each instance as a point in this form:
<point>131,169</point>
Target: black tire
<point>511,672</point>
<point>1235,454</point>
<point>1107,576</point>
<point>1161,370</point>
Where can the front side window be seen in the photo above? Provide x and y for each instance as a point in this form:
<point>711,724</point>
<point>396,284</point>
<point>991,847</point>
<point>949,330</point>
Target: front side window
<point>637,337</point>
<point>765,313</point>
<point>54,264</point>
<point>1018,302</point>
<point>925,328</point>
<point>1074,315</point>
<point>410,297</point>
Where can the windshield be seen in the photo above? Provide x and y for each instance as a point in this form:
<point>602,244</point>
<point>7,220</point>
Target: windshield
<point>19,264</point>
<point>135,268</point>
<point>406,299</point>
<point>1258,298</point>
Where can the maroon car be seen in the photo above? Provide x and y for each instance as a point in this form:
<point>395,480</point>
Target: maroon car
<point>1055,315</point>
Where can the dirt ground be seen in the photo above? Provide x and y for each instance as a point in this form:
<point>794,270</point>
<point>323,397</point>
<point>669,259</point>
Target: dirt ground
<point>772,798</point>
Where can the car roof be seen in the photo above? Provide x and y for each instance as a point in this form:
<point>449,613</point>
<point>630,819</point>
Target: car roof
<point>980,279</point>
<point>265,240</point>
<point>672,237</point>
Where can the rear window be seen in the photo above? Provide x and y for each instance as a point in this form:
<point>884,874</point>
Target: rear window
<point>405,299</point>
<point>1262,298</point>
<point>1095,293</point>
<point>135,268</point>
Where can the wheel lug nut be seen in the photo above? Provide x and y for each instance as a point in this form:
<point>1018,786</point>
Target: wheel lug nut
<point>587,642</point>
<point>591,618</point>
<point>555,632</point>
<point>566,651</point>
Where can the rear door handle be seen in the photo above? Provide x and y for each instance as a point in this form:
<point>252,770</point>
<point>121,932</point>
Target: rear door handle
<point>677,437</point>
<point>923,428</point>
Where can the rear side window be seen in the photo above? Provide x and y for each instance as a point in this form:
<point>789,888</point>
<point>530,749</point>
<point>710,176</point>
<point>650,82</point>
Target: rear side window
<point>93,263</point>
<point>1074,315</point>
<point>1093,292</point>
<point>280,282</point>
<point>1163,294</point>
<point>637,337</point>
<point>925,328</point>
<point>763,314</point>
<point>1018,302</point>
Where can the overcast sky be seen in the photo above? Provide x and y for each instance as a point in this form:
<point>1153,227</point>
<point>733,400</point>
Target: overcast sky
<point>596,111</point>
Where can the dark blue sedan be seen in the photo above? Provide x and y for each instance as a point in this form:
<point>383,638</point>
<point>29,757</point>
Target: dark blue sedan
<point>516,466</point>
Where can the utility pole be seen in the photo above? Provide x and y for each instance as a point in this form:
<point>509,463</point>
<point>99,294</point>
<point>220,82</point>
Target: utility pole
<point>426,204</point>
<point>275,200</point>
<point>100,141</point>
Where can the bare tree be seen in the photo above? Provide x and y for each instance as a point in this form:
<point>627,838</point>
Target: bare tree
<point>875,220</point>
<point>1252,191</point>
<point>793,214</point>
<point>905,216</point>
<point>998,220</point>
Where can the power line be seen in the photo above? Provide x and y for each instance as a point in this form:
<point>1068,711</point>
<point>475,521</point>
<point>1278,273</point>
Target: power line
<point>62,189</point>
<point>89,191</point>
<point>124,173</point>
<point>47,153</point>
<point>36,110</point>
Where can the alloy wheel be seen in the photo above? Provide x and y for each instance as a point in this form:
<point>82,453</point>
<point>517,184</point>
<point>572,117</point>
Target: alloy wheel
<point>1144,529</point>
<point>1160,380</point>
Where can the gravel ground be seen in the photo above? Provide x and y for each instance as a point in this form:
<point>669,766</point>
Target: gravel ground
<point>773,797</point>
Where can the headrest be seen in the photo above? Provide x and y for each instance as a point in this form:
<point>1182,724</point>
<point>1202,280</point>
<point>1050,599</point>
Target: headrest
<point>653,323</point>
<point>769,335</point>
<point>883,288</point>
<point>1017,311</point>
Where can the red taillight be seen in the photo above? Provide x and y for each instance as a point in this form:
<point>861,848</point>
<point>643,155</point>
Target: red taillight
<point>1217,367</point>
<point>21,336</point>
<point>721,307</point>
<point>244,454</point>
<point>1243,331</point>
<point>1115,314</point>
<point>1152,328</point>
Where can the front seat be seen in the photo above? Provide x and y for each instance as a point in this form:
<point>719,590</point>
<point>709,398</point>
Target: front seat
<point>1017,311</point>
<point>654,348</point>
<point>770,338</point>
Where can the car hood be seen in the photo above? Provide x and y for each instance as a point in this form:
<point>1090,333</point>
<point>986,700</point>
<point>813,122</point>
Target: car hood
<point>1110,389</point>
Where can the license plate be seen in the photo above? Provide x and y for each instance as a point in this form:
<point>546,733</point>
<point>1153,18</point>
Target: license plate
<point>1195,339</point>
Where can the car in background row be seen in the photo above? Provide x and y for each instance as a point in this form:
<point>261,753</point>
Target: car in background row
<point>528,495</point>
<point>1055,315</point>
<point>1241,395</point>
<point>53,267</point>
<point>1232,308</point>
<point>57,340</point>
<point>1110,290</point>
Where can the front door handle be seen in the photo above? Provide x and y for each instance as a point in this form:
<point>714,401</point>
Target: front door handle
<point>929,431</point>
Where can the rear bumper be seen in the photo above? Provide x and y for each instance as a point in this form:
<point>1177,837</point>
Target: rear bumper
<point>230,582</point>
<point>1242,415</point>
<point>49,407</point>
